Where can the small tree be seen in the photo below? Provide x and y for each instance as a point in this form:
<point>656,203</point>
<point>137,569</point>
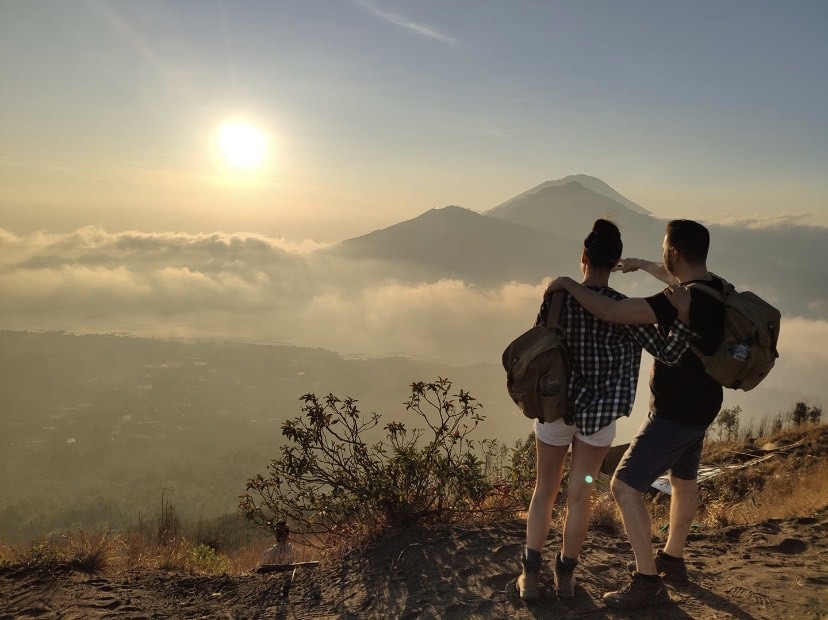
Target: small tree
<point>328,483</point>
<point>778,423</point>
<point>815,415</point>
<point>728,423</point>
<point>799,414</point>
<point>763,428</point>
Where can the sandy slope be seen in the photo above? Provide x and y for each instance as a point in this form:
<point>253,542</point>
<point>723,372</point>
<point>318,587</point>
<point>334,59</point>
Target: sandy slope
<point>776,569</point>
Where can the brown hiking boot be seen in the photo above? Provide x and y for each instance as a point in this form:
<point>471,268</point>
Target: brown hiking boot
<point>639,592</point>
<point>674,571</point>
<point>527,584</point>
<point>564,578</point>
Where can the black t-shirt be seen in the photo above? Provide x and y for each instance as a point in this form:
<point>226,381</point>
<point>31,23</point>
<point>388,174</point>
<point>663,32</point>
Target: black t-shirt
<point>686,394</point>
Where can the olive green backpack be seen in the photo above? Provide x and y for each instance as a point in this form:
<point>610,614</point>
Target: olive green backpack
<point>747,351</point>
<point>538,365</point>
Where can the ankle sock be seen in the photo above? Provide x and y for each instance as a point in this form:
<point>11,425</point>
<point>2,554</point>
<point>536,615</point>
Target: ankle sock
<point>669,558</point>
<point>567,563</point>
<point>648,577</point>
<point>532,558</point>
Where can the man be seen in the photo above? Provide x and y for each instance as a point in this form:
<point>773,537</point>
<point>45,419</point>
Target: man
<point>684,401</point>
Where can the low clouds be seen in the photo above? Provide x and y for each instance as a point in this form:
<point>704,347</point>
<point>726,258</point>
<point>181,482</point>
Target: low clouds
<point>764,220</point>
<point>248,287</point>
<point>254,288</point>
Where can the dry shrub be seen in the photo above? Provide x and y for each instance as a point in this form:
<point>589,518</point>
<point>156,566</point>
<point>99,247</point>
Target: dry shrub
<point>605,513</point>
<point>330,484</point>
<point>90,553</point>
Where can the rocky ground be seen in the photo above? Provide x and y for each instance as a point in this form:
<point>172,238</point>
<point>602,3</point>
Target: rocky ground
<point>774,569</point>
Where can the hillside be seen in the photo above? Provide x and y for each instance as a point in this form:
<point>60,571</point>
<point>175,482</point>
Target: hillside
<point>769,569</point>
<point>459,243</point>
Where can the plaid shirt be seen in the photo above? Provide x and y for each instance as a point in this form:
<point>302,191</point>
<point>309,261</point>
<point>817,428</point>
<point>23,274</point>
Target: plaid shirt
<point>606,358</point>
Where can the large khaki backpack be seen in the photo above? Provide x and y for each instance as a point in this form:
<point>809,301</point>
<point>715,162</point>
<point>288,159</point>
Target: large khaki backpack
<point>747,351</point>
<point>538,366</point>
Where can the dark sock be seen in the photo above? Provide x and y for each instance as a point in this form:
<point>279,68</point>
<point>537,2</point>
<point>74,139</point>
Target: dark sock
<point>648,577</point>
<point>532,559</point>
<point>567,563</point>
<point>669,558</point>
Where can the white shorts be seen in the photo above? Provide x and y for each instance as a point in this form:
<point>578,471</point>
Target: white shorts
<point>559,433</point>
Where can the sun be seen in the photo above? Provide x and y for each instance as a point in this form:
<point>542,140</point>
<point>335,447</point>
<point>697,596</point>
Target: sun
<point>242,145</point>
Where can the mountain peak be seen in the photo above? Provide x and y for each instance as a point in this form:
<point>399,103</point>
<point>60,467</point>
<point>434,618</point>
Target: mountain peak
<point>591,183</point>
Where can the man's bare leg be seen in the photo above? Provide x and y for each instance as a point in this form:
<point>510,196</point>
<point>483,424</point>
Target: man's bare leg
<point>637,524</point>
<point>683,505</point>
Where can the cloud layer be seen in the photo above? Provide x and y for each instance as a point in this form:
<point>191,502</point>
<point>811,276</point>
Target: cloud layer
<point>249,287</point>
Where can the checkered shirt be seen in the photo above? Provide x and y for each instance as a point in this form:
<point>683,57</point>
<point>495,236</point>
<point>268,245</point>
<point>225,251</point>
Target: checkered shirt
<point>606,358</point>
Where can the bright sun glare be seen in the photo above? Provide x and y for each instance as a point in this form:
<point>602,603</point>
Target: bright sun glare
<point>242,145</point>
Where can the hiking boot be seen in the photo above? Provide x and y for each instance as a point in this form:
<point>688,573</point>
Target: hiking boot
<point>674,571</point>
<point>639,592</point>
<point>527,584</point>
<point>564,578</point>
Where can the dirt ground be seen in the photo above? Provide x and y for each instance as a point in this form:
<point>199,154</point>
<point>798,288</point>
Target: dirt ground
<point>771,570</point>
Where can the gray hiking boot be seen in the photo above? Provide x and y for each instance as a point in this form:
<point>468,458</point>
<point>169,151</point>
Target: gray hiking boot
<point>564,578</point>
<point>527,584</point>
<point>672,570</point>
<point>639,592</point>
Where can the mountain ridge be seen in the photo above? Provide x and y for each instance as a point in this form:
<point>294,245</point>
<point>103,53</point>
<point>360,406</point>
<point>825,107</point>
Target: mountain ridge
<point>539,233</point>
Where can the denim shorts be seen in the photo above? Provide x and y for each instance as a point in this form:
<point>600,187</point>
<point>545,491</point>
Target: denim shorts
<point>659,446</point>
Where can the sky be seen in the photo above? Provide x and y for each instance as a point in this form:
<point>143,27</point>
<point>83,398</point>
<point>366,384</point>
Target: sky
<point>369,112</point>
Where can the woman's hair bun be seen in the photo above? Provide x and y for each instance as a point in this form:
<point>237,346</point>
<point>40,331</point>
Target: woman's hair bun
<point>606,229</point>
<point>603,245</point>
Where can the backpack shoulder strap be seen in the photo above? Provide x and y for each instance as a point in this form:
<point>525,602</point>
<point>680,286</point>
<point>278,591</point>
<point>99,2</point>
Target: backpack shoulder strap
<point>553,317</point>
<point>727,288</point>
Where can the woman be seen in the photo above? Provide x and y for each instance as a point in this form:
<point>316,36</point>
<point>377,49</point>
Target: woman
<point>606,359</point>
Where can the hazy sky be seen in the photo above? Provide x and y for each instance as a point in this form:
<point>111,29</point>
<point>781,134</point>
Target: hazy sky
<point>374,111</point>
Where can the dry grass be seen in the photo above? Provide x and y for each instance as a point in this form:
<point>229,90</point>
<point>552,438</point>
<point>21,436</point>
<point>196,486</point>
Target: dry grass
<point>785,493</point>
<point>6,555</point>
<point>605,513</point>
<point>785,486</point>
<point>90,552</point>
<point>160,543</point>
<point>106,553</point>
